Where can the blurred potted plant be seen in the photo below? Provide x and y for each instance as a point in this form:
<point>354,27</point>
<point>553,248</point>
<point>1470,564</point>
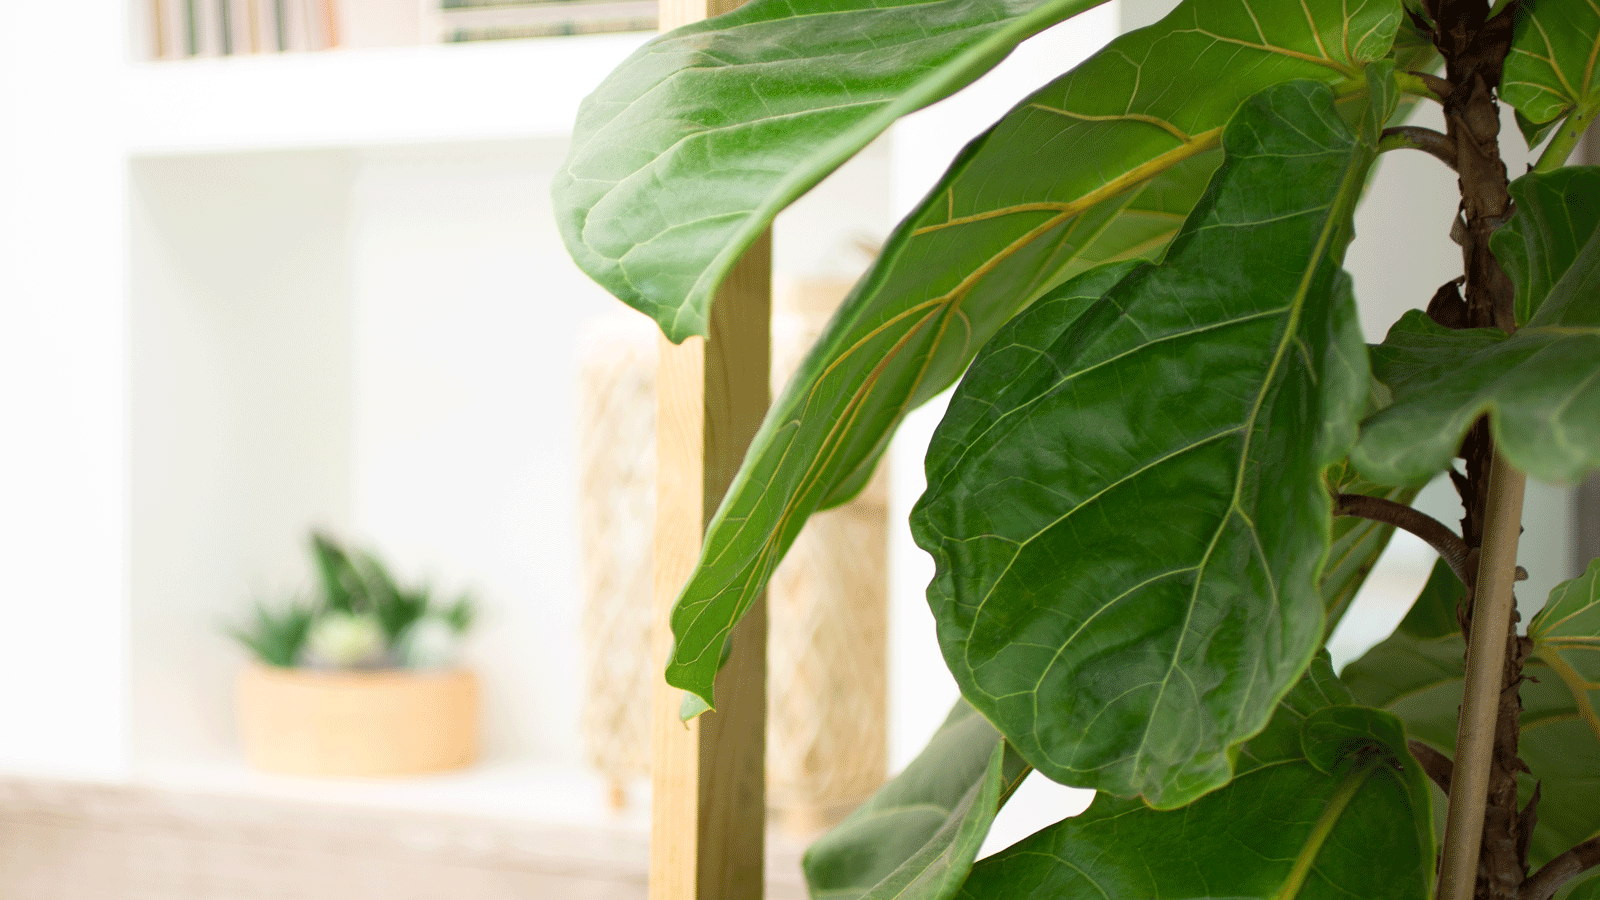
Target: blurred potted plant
<point>360,680</point>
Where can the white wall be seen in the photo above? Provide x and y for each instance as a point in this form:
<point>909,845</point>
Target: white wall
<point>63,656</point>
<point>239,398</point>
<point>463,431</point>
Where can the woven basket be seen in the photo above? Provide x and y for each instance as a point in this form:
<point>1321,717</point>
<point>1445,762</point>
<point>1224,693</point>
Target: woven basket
<point>828,600</point>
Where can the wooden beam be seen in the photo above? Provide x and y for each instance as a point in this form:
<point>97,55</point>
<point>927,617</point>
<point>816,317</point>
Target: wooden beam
<point>708,815</point>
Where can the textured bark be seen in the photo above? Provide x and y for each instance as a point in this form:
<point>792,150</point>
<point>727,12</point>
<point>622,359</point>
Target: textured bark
<point>1474,47</point>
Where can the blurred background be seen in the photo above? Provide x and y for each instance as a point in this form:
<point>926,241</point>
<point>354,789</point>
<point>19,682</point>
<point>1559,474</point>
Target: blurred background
<point>281,264</point>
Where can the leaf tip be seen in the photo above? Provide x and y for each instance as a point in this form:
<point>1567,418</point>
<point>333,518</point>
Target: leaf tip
<point>693,705</point>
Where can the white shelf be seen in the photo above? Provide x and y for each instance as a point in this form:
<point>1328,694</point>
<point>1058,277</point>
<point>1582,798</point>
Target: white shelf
<point>524,792</point>
<point>363,98</point>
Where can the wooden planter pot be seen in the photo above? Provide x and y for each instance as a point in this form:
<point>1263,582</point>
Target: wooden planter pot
<point>304,722</point>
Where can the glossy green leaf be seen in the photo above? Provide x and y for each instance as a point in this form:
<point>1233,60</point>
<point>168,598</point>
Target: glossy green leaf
<point>917,837</point>
<point>1551,67</point>
<point>1534,132</point>
<point>1586,889</point>
<point>1540,387</point>
<point>1126,504</point>
<point>1556,213</point>
<point>1417,674</point>
<point>685,153</point>
<point>1327,804</point>
<point>1566,638</point>
<point>1434,614</point>
<point>1100,165</point>
<point>899,830</point>
<point>1570,620</point>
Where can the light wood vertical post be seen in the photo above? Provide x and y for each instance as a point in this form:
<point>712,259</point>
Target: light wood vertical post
<point>708,815</point>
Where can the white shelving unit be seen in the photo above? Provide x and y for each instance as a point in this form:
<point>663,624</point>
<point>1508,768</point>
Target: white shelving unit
<point>387,97</point>
<point>260,293</point>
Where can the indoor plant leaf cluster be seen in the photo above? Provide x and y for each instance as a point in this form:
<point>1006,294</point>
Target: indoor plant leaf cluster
<point>360,618</point>
<point>1041,484</point>
<point>1129,140</point>
<point>1171,458</point>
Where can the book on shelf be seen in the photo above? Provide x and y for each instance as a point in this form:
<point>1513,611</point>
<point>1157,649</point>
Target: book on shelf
<point>209,26</point>
<point>168,23</point>
<point>264,33</point>
<point>241,28</point>
<point>184,28</point>
<point>482,20</point>
<point>187,28</point>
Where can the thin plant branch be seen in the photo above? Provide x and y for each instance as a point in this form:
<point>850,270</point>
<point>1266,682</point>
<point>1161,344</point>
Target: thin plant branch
<point>1431,142</point>
<point>1492,607</point>
<point>1439,86</point>
<point>1450,547</point>
<point>1543,884</point>
<point>1415,84</point>
<point>1436,764</point>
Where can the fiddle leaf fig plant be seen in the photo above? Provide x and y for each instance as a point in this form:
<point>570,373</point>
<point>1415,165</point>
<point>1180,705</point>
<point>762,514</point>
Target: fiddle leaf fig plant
<point>1171,456</point>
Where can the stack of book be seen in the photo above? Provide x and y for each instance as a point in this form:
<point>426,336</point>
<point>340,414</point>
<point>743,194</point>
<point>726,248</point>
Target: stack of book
<point>182,28</point>
<point>487,20</point>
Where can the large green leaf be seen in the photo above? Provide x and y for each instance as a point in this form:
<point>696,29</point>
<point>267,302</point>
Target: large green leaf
<point>1540,387</point>
<point>1550,70</point>
<point>1327,804</point>
<point>688,150</point>
<point>1418,672</point>
<point>917,837</point>
<point>1100,165</point>
<point>900,832</point>
<point>1570,621</point>
<point>1126,504</point>
<point>1556,213</point>
<point>1566,637</point>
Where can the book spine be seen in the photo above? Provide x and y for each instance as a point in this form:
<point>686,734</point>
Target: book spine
<point>191,27</point>
<point>243,33</point>
<point>170,22</point>
<point>225,27</point>
<point>208,27</point>
<point>296,25</point>
<point>279,27</point>
<point>329,10</point>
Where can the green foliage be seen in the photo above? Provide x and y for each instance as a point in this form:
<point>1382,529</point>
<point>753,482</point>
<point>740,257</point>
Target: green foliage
<point>1128,138</point>
<point>276,636</point>
<point>1417,675</point>
<point>1544,239</point>
<point>1135,276</point>
<point>1250,383</point>
<point>1537,386</point>
<point>352,587</point>
<point>340,582</point>
<point>1550,71</point>
<point>917,837</point>
<point>1323,780</point>
<point>687,151</point>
